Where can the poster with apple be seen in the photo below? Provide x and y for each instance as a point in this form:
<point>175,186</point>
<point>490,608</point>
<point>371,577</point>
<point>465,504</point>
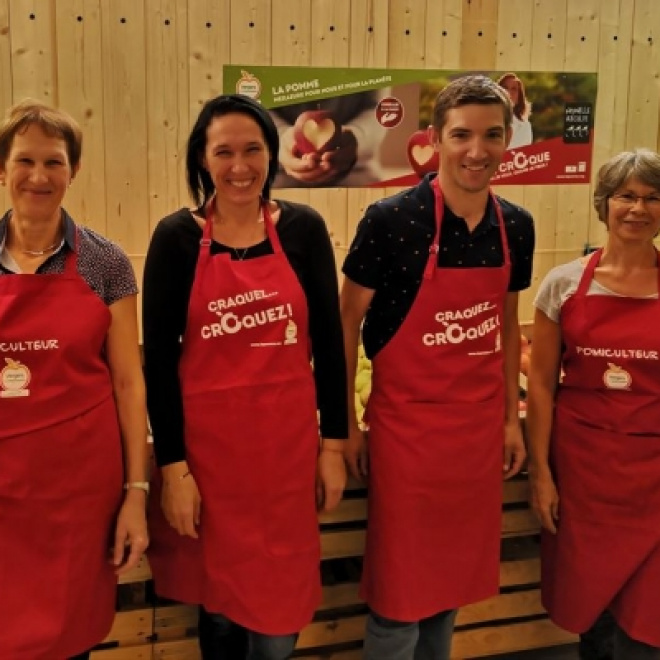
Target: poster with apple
<point>368,127</point>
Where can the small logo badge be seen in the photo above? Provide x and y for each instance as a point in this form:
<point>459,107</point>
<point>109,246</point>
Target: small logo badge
<point>617,378</point>
<point>291,333</point>
<point>248,85</point>
<point>14,379</point>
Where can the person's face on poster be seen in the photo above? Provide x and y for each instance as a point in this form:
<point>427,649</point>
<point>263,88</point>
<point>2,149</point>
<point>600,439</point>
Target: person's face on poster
<point>471,146</point>
<point>513,89</point>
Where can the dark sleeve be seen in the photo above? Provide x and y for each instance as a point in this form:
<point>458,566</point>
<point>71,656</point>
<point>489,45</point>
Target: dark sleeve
<point>520,234</point>
<point>168,275</point>
<point>319,281</point>
<point>120,279</point>
<point>365,261</point>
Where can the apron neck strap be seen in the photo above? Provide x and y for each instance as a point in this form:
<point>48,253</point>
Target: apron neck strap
<point>271,234</point>
<point>590,269</point>
<point>588,273</point>
<point>434,248</point>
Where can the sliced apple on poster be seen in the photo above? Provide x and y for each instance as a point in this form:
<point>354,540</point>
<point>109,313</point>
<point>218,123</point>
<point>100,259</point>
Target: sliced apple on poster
<point>316,131</point>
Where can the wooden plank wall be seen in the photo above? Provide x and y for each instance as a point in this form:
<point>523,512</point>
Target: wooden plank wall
<point>135,72</point>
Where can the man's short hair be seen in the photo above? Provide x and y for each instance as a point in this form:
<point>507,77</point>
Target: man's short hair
<point>470,90</point>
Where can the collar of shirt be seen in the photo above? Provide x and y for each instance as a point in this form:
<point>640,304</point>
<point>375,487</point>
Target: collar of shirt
<point>69,231</point>
<point>489,218</point>
<point>6,260</point>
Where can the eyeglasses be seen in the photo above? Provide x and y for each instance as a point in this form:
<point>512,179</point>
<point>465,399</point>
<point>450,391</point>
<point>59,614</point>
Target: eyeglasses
<point>651,202</point>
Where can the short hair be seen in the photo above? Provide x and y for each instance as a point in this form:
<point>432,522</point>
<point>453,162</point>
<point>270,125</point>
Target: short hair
<point>469,90</point>
<point>641,164</point>
<point>54,122</point>
<point>200,184</point>
<point>522,106</point>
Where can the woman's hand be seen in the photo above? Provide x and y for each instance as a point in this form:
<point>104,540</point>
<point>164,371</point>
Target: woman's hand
<point>514,449</point>
<point>355,453</point>
<point>180,500</point>
<point>544,498</point>
<point>330,475</point>
<point>130,532</point>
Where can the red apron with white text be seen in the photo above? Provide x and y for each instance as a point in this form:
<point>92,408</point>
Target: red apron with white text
<point>605,454</point>
<point>252,440</point>
<point>436,438</point>
<point>60,467</point>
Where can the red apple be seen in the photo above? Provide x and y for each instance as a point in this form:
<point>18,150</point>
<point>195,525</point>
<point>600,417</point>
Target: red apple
<point>422,156</point>
<point>316,131</point>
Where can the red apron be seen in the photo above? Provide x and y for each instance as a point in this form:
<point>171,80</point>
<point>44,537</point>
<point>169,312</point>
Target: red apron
<point>252,440</point>
<point>61,467</point>
<point>436,443</point>
<point>605,453</point>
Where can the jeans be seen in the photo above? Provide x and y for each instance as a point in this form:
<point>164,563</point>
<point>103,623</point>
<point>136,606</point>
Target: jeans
<point>222,639</point>
<point>428,639</point>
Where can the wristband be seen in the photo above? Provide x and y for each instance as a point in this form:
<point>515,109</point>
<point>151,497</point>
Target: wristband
<point>139,485</point>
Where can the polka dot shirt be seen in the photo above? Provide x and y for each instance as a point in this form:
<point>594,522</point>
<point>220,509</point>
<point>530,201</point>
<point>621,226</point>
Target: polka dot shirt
<point>391,245</point>
<point>101,263</point>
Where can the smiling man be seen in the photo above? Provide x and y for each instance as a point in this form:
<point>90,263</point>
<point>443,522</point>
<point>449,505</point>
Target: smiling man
<point>432,282</point>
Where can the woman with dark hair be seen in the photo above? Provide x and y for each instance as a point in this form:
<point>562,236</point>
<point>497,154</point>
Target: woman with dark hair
<point>522,129</point>
<point>593,417</point>
<point>239,294</point>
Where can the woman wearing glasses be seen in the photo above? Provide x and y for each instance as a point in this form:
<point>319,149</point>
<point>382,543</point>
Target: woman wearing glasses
<point>594,418</point>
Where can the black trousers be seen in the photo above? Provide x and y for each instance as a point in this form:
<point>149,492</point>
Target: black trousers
<point>605,640</point>
<point>598,642</point>
<point>214,644</point>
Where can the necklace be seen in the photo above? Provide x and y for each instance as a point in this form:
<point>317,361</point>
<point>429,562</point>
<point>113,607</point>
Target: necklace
<point>240,253</point>
<point>40,253</point>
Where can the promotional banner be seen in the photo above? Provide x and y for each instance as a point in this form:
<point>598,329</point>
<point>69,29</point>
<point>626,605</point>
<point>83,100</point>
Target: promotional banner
<point>368,126</point>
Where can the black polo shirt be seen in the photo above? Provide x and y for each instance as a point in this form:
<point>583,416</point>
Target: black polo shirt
<point>391,245</point>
